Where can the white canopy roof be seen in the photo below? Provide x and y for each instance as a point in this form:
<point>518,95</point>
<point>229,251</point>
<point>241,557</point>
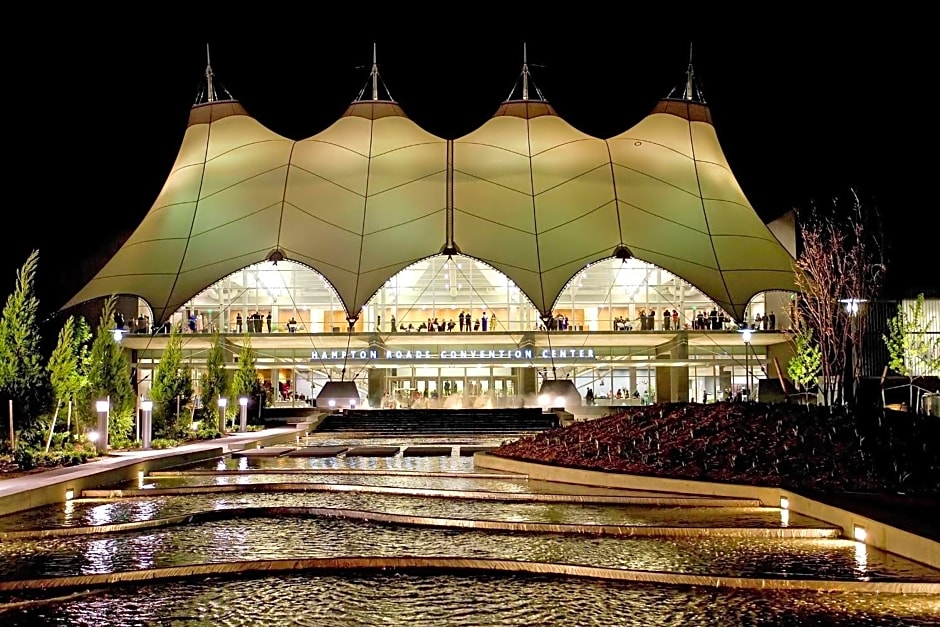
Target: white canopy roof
<point>525,193</point>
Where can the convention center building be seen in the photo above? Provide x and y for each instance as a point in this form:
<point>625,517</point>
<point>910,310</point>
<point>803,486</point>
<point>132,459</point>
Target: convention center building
<point>460,272</point>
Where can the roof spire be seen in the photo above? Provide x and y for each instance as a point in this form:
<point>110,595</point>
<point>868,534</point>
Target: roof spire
<point>210,89</point>
<point>375,73</point>
<point>525,72</point>
<point>375,89</point>
<point>688,94</point>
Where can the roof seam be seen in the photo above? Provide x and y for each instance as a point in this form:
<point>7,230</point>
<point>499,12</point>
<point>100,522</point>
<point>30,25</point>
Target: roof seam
<point>280,221</point>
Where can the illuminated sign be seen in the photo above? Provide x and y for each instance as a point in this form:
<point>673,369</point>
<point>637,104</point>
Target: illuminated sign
<point>517,354</point>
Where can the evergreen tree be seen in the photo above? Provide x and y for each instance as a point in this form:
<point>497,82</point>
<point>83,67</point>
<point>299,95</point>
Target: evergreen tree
<point>68,365</point>
<point>171,390</point>
<point>215,384</point>
<point>109,376</point>
<point>246,382</point>
<point>22,376</point>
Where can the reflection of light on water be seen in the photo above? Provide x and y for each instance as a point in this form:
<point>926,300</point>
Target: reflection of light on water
<point>861,560</point>
<point>145,509</point>
<point>784,518</point>
<point>102,514</point>
<point>100,556</point>
<point>69,511</point>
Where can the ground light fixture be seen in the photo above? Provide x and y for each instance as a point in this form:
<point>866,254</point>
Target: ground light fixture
<point>784,502</point>
<point>69,494</point>
<point>859,533</point>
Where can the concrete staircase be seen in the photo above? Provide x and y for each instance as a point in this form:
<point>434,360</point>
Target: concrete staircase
<point>393,422</point>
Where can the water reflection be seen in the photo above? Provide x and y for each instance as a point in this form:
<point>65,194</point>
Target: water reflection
<point>130,510</point>
<point>487,600</point>
<point>291,538</point>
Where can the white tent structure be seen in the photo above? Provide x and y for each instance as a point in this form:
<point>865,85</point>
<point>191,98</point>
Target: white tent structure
<point>526,193</point>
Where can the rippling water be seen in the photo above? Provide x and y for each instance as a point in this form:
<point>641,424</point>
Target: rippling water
<point>246,539</point>
<point>399,599</point>
<point>354,600</point>
<point>90,513</point>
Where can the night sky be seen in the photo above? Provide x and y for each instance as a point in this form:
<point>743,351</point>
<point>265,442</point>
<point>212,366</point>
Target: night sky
<point>95,119</point>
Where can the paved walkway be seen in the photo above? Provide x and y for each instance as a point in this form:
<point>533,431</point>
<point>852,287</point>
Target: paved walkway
<point>120,459</point>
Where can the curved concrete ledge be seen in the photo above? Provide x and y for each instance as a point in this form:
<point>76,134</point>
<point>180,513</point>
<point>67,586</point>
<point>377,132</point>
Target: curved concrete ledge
<point>334,471</point>
<point>426,521</point>
<point>23,605</point>
<point>517,497</point>
<point>455,564</point>
<point>877,534</point>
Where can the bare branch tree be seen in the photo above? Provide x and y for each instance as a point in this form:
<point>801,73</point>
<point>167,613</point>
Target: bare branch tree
<point>840,267</point>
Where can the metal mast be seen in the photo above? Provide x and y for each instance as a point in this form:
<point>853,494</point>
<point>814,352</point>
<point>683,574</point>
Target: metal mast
<point>375,74</point>
<point>689,76</point>
<point>525,73</point>
<point>210,89</point>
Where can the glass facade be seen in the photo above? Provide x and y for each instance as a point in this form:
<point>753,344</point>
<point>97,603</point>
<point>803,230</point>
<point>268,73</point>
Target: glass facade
<point>417,314</point>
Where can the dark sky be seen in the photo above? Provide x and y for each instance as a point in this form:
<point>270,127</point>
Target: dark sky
<point>802,115</point>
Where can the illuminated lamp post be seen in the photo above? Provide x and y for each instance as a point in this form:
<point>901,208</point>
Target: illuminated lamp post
<point>223,402</point>
<point>103,407</point>
<point>746,336</point>
<point>243,414</point>
<point>852,306</point>
<point>147,427</point>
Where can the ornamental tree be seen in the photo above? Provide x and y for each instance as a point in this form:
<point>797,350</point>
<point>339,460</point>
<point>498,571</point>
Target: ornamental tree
<point>840,259</point>
<point>806,363</point>
<point>912,350</point>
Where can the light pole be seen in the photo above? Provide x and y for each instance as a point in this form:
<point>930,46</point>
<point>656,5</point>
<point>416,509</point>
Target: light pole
<point>852,306</point>
<point>222,403</point>
<point>746,336</point>
<point>147,427</point>
<point>243,414</point>
<point>103,407</point>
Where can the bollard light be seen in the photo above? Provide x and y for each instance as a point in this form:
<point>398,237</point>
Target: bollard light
<point>103,407</point>
<point>147,427</point>
<point>69,494</point>
<point>223,402</point>
<point>243,414</point>
<point>784,502</point>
